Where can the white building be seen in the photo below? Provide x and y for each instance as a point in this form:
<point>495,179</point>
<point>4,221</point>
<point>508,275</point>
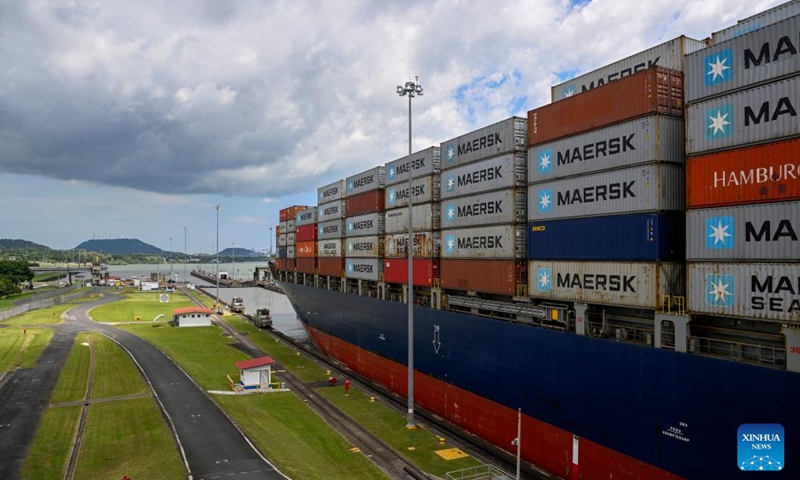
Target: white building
<point>192,317</point>
<point>256,372</point>
<point>146,286</point>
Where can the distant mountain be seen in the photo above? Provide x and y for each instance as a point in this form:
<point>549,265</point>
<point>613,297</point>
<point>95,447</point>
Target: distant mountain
<point>240,253</point>
<point>17,244</point>
<point>119,246</point>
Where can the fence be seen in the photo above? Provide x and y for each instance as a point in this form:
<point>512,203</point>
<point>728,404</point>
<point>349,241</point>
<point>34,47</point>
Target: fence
<point>483,472</point>
<point>58,298</point>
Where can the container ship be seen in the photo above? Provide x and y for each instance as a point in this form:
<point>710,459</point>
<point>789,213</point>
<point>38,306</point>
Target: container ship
<point>622,266</point>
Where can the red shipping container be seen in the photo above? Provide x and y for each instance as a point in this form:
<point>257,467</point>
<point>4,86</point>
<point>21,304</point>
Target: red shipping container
<point>655,90</point>
<point>306,233</point>
<point>332,266</point>
<point>280,264</point>
<point>489,276</point>
<point>277,230</point>
<point>306,265</point>
<point>290,212</point>
<point>305,250</point>
<point>367,202</point>
<point>395,270</point>
<point>758,174</point>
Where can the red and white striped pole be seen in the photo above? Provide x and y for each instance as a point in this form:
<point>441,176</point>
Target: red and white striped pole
<point>573,468</point>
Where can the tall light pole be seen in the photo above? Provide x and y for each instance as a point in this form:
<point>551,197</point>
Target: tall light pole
<point>410,89</point>
<point>170,260</point>
<point>233,262</point>
<point>216,268</point>
<point>270,242</point>
<point>185,278</point>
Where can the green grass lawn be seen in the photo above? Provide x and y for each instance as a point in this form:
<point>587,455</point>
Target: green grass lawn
<point>74,376</point>
<point>299,442</point>
<point>389,425</point>
<point>115,374</point>
<point>128,437</point>
<point>145,306</point>
<point>8,302</point>
<point>21,347</point>
<point>204,299</point>
<point>40,316</point>
<point>52,447</point>
<point>203,352</point>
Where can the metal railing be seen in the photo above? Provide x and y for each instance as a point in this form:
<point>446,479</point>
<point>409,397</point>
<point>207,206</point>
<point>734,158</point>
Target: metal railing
<point>624,333</point>
<point>740,351</point>
<point>43,303</point>
<point>482,472</point>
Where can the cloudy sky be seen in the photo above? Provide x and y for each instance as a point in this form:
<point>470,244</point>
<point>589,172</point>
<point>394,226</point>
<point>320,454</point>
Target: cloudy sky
<point>132,119</point>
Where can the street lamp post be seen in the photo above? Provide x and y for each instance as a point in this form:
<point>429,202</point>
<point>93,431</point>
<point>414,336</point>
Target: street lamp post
<point>410,89</point>
<point>233,262</point>
<point>185,278</point>
<point>172,279</point>
<point>216,268</point>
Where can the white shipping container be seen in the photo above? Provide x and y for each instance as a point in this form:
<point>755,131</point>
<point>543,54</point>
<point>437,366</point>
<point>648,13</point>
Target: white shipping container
<point>330,229</point>
<point>426,217</point>
<point>497,173</point>
<point>757,21</point>
<point>331,211</point>
<point>372,179</point>
<point>668,54</point>
<point>768,291</point>
<point>489,208</point>
<point>282,240</point>
<point>638,284</point>
<point>498,242</point>
<point>329,248</point>
<point>509,135</point>
<point>764,113</point>
<point>657,138</point>
<point>306,217</point>
<point>367,224</point>
<point>424,190</point>
<point>283,226</point>
<point>291,225</point>
<point>422,163</point>
<point>331,192</point>
<point>364,268</point>
<point>364,247</point>
<point>651,188</point>
<point>426,245</point>
<point>290,238</point>
<point>290,251</point>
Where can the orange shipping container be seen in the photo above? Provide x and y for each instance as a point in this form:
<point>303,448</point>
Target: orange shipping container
<point>655,90</point>
<point>489,276</point>
<point>758,174</point>
<point>290,212</point>
<point>333,266</point>
<point>280,264</point>
<point>367,202</point>
<point>306,265</point>
<point>305,250</point>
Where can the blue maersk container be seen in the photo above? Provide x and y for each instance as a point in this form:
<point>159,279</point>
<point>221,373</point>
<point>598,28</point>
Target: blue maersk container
<point>638,237</point>
<point>281,252</point>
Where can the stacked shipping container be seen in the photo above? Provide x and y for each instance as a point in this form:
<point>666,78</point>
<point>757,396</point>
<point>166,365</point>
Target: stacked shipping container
<point>743,190</point>
<point>364,225</point>
<point>306,237</point>
<point>424,168</point>
<point>286,237</point>
<point>483,210</point>
<point>330,228</point>
<point>606,187</point>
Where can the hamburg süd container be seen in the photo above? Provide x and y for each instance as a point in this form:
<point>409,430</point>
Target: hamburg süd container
<point>364,247</point>
<point>306,265</point>
<point>331,229</point>
<point>331,266</point>
<point>306,217</point>
<point>668,55</point>
<point>754,58</point>
<point>502,137</point>
<point>291,239</point>
<point>757,21</point>
<point>423,163</point>
<point>488,208</point>
<point>282,240</point>
<point>503,277</point>
<point>331,211</point>
<point>331,192</point>
<point>364,268</point>
<point>759,114</point>
<point>291,225</point>
<point>638,237</point>
<point>306,233</point>
<point>426,245</point>
<point>652,139</point>
<point>650,188</point>
<point>372,201</point>
<point>639,284</point>
<point>766,291</point>
<point>496,173</point>
<point>367,224</point>
<point>289,213</point>
<point>291,252</point>
<point>651,91</point>
<point>762,173</point>
<point>395,270</point>
<point>756,232</point>
<point>329,248</point>
<point>426,217</point>
<point>423,190</point>
<point>372,179</point>
<point>496,241</point>
<point>305,249</point>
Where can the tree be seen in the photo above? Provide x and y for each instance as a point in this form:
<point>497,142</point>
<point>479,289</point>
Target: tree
<point>15,272</point>
<point>7,287</point>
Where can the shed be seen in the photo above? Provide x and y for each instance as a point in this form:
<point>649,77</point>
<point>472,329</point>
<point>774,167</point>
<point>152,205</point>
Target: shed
<point>256,372</point>
<point>192,317</point>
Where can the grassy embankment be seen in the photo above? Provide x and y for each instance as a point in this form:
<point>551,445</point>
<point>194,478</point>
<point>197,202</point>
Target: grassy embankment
<point>140,307</point>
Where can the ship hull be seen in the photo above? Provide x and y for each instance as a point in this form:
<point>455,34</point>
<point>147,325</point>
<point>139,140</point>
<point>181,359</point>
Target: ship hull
<point>640,412</point>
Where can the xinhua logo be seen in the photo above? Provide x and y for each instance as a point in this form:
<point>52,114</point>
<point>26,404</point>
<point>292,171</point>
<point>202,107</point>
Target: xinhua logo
<point>719,67</point>
<point>760,447</point>
<point>391,172</point>
<point>720,290</point>
<point>544,162</point>
<point>450,243</point>
<point>544,279</point>
<point>544,200</point>
<point>719,233</point>
<point>719,122</point>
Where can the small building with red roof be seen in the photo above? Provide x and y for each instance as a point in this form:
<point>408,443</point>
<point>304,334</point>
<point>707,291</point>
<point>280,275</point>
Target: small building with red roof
<point>192,317</point>
<point>256,372</point>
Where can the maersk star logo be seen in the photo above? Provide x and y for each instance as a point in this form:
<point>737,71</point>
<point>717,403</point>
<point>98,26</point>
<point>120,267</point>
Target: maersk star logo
<point>450,213</point>
<point>719,232</point>
<point>350,267</point>
<point>350,186</point>
<point>350,246</point>
<point>350,226</point>
<point>391,172</point>
<point>450,156</point>
<point>720,290</point>
<point>544,279</point>
<point>391,197</point>
<point>450,243</point>
<point>719,122</point>
<point>320,229</point>
<point>568,91</point>
<point>545,200</point>
<point>544,163</point>
<point>719,67</point>
<point>450,183</point>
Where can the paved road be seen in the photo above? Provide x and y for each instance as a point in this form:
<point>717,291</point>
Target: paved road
<point>213,447</point>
